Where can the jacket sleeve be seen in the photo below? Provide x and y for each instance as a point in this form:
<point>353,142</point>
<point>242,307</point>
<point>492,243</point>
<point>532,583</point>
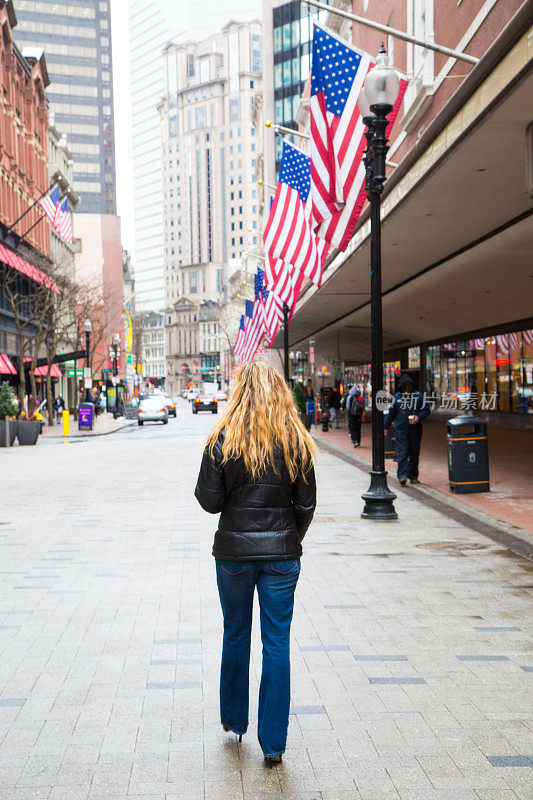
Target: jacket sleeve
<point>211,487</point>
<point>304,500</point>
<point>391,415</point>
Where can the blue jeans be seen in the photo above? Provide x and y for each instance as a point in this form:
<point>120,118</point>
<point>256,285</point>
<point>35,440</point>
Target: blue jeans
<point>275,581</point>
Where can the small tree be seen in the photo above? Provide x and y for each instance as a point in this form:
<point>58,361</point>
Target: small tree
<point>8,407</point>
<point>299,397</point>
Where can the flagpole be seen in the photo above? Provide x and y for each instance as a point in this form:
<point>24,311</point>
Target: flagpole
<point>282,129</point>
<point>406,37</point>
<point>23,235</point>
<point>52,185</point>
<point>286,340</point>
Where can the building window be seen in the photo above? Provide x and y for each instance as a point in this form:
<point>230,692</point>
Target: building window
<point>190,65</point>
<point>255,55</point>
<point>234,109</point>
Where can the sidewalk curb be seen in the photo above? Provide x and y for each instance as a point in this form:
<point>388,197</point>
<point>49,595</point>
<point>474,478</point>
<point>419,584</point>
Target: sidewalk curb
<point>493,528</point>
<point>92,435</point>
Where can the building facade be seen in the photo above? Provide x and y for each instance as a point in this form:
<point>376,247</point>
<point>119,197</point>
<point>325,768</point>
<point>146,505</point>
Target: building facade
<point>183,346</point>
<point>76,37</point>
<point>154,367</point>
<point>455,208</point>
<point>25,244</point>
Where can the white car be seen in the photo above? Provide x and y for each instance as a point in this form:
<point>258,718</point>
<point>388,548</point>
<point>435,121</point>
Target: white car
<point>192,394</point>
<point>153,409</point>
<point>220,394</point>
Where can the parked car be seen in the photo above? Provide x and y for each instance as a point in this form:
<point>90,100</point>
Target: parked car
<point>153,409</point>
<point>205,402</point>
<point>192,394</point>
<point>221,395</point>
<point>170,404</point>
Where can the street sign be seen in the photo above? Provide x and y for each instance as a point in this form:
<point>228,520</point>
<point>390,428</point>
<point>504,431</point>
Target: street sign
<point>87,372</point>
<point>88,383</point>
<point>312,355</point>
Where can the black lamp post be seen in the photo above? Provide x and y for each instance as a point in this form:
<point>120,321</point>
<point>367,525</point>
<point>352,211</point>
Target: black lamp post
<point>116,342</point>
<point>87,327</point>
<point>376,102</point>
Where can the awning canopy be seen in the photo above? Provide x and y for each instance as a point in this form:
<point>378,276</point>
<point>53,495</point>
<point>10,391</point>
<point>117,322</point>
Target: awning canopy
<point>41,372</point>
<point>21,265</point>
<point>6,366</point>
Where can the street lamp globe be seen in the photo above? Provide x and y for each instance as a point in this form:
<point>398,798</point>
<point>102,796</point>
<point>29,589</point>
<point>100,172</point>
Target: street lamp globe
<point>382,83</point>
<point>87,326</point>
<point>364,106</point>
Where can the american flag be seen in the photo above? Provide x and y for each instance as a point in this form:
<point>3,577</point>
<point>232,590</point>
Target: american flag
<point>289,233</point>
<point>50,203</point>
<point>239,342</point>
<point>254,325</point>
<point>337,135</point>
<point>63,223</point>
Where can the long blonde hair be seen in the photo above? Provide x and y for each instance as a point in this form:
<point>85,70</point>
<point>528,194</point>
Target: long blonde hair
<point>261,415</point>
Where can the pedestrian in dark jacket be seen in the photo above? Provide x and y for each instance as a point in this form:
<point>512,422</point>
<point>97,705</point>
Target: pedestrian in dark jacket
<point>257,472</point>
<point>406,414</point>
<point>335,406</point>
<point>355,407</point>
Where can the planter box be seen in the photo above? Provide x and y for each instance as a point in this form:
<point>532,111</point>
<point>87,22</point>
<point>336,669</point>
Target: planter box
<point>28,431</point>
<point>13,427</point>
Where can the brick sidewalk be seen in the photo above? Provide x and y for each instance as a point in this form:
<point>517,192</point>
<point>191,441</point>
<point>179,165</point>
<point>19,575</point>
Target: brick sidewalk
<point>103,425</point>
<point>410,641</point>
<point>511,468</point>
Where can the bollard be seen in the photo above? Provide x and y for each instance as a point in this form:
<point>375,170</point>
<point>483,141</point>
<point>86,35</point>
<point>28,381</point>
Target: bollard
<point>66,423</point>
<point>6,419</point>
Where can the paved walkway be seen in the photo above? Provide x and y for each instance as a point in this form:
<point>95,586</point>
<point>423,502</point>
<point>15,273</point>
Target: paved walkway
<point>511,469</point>
<point>103,425</point>
<point>410,640</point>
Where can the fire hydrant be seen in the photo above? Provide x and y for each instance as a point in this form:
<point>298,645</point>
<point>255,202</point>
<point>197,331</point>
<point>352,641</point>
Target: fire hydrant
<point>325,421</point>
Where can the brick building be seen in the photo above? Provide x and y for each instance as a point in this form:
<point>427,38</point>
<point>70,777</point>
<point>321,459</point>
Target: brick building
<point>23,135</point>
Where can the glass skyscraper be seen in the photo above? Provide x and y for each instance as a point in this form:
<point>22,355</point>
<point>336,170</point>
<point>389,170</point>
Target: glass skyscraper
<point>76,37</point>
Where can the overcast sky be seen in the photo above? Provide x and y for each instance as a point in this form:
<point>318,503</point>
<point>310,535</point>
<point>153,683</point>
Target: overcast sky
<point>199,18</point>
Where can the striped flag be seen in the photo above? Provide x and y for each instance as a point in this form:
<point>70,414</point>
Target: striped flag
<point>62,222</point>
<point>239,342</point>
<point>254,325</point>
<point>337,135</point>
<point>289,233</point>
<point>50,203</point>
<point>282,280</point>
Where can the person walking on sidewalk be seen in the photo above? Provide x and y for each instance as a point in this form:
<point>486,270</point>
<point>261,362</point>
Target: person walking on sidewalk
<point>335,406</point>
<point>355,408</point>
<point>257,472</point>
<point>406,414</point>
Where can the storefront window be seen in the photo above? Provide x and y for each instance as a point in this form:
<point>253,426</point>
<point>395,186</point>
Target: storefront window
<point>494,373</point>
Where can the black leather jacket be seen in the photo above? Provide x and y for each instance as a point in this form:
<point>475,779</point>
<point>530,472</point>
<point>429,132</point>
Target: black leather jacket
<point>263,521</point>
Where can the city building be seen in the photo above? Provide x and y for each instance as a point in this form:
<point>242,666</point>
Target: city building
<point>154,367</point>
<point>209,331</point>
<point>152,25</point>
<point>210,197</point>
<point>24,236</point>
<point>76,37</point>
<point>100,273</point>
<point>456,209</point>
<point>183,346</point>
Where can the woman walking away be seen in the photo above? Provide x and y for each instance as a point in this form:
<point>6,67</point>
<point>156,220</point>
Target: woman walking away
<point>355,408</point>
<point>257,470</point>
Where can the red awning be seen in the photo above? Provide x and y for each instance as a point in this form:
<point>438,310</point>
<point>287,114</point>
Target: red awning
<point>41,372</point>
<point>6,366</point>
<point>13,260</point>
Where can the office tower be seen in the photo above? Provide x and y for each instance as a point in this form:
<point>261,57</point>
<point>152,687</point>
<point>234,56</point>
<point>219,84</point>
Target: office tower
<point>209,158</point>
<point>76,38</point>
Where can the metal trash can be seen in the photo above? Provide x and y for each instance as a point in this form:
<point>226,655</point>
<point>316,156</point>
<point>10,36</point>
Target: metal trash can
<point>85,416</point>
<point>468,455</point>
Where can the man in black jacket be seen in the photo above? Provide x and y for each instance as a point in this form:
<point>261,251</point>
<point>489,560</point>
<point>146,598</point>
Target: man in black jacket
<point>406,414</point>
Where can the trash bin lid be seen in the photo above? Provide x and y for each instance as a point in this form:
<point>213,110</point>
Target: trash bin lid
<point>466,420</point>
